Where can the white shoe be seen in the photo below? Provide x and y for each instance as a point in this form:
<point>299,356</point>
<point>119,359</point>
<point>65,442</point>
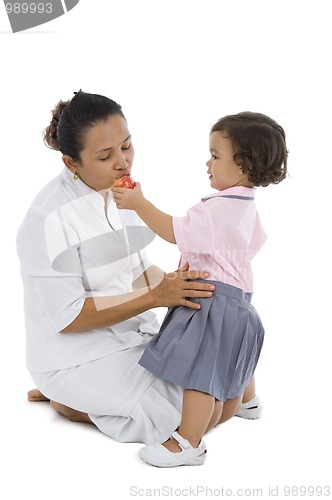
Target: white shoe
<point>159,456</point>
<point>251,410</point>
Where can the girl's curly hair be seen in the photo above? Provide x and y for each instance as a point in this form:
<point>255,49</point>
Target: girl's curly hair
<point>259,145</point>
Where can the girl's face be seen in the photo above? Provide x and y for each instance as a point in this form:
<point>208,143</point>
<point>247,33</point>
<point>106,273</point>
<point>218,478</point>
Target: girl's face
<point>108,154</point>
<point>222,169</point>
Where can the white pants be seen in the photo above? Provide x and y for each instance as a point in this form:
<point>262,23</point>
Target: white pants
<point>125,401</point>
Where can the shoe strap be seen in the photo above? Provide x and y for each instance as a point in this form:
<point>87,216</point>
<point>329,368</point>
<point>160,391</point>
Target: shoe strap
<point>184,444</point>
<point>254,402</point>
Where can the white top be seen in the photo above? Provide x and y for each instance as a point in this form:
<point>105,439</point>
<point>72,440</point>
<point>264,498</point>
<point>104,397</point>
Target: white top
<point>69,250</point>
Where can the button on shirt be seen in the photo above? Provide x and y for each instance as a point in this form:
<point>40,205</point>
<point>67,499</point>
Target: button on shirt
<point>221,234</point>
<point>71,249</point>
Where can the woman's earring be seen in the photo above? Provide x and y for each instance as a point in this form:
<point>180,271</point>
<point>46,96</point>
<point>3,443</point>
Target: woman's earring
<point>75,177</point>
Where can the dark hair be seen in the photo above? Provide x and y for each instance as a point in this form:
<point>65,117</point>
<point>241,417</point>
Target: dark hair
<point>259,145</point>
<point>72,119</point>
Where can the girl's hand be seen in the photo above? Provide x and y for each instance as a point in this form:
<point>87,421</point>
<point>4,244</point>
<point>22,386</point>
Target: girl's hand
<point>128,198</point>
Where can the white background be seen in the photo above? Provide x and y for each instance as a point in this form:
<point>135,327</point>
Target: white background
<point>176,67</point>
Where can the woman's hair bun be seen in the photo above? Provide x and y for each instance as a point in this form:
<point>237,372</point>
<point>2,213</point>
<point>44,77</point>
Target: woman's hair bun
<point>72,119</point>
<point>50,132</point>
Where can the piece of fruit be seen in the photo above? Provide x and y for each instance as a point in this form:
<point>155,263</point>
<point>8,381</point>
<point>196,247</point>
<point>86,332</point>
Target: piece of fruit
<point>126,181</point>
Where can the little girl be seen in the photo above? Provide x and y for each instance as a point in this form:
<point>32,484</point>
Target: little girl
<point>212,352</point>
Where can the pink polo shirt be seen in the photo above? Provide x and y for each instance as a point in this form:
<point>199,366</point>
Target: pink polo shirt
<point>222,234</point>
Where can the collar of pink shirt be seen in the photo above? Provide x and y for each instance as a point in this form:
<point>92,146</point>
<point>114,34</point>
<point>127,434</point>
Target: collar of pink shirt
<point>236,191</point>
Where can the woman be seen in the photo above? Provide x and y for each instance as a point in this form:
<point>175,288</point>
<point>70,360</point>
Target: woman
<point>89,285</point>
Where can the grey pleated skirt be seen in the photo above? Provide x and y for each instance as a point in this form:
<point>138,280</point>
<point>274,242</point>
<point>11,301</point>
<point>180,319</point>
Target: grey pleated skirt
<point>214,349</point>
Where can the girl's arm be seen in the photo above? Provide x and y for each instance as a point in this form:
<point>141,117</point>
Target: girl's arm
<point>158,221</point>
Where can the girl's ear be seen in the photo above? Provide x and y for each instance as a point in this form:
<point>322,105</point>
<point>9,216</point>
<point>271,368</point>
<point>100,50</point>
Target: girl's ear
<point>70,163</point>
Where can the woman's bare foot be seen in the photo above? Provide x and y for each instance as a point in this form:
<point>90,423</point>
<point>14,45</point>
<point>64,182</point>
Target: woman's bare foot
<point>73,415</point>
<point>35,396</point>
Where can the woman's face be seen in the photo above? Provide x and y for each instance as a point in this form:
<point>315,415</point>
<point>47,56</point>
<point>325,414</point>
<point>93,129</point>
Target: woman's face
<point>108,154</point>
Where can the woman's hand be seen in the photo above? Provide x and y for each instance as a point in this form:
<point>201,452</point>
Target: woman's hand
<point>128,198</point>
<point>175,290</point>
